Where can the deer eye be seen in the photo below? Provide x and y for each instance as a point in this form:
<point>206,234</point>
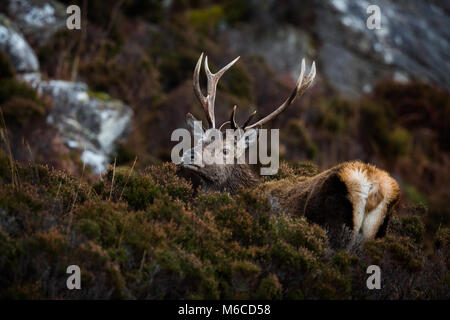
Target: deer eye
<point>226,151</point>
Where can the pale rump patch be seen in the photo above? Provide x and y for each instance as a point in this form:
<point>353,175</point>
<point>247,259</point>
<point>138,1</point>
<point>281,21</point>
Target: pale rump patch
<point>371,191</point>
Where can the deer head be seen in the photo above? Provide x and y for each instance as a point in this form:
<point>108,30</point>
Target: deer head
<point>216,157</point>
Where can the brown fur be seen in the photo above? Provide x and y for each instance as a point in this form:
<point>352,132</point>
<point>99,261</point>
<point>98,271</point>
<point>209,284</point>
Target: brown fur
<point>351,194</point>
<point>382,192</point>
<point>329,198</point>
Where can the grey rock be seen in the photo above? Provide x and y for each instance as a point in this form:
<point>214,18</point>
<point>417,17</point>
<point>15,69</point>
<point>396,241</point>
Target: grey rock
<point>85,121</point>
<point>16,47</point>
<point>291,45</point>
<point>38,19</point>
<point>412,44</point>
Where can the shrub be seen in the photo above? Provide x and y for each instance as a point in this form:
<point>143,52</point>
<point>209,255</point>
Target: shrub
<point>21,111</point>
<point>145,235</point>
<point>13,88</point>
<point>177,64</point>
<point>207,19</point>
<point>410,226</point>
<point>19,103</point>
<point>401,250</point>
<point>442,239</point>
<point>6,68</point>
<point>296,134</point>
<point>399,142</point>
<point>269,288</point>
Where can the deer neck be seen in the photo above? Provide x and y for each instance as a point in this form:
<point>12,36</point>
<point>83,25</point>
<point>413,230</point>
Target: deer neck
<point>240,176</point>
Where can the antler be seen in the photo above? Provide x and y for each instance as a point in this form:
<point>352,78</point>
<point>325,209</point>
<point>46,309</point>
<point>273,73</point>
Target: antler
<point>213,78</point>
<point>301,86</point>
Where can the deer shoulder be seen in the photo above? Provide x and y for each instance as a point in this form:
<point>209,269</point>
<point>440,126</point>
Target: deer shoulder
<point>352,194</point>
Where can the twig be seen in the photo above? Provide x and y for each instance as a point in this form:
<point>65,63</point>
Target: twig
<point>4,136</point>
<point>32,160</point>
<point>143,260</point>
<point>128,178</point>
<point>76,196</point>
<point>112,180</point>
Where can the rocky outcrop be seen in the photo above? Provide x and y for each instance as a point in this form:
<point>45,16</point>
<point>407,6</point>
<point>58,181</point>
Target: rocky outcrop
<point>291,45</point>
<point>16,47</point>
<point>412,44</point>
<point>87,121</point>
<point>37,19</point>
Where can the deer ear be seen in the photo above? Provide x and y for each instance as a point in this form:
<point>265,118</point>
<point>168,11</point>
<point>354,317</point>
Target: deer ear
<point>249,138</point>
<point>194,126</point>
<point>190,121</point>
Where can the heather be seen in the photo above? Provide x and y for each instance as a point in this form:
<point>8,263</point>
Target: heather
<point>139,230</point>
<point>149,235</point>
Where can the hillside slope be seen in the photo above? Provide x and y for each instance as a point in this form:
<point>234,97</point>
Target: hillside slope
<point>147,235</point>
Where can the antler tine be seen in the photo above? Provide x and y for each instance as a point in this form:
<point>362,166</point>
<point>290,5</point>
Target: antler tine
<point>234,125</point>
<point>302,85</point>
<point>232,121</point>
<point>249,119</point>
<point>198,91</point>
<point>213,79</point>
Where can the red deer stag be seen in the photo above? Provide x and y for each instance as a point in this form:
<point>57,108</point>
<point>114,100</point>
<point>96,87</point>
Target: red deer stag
<point>351,195</point>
